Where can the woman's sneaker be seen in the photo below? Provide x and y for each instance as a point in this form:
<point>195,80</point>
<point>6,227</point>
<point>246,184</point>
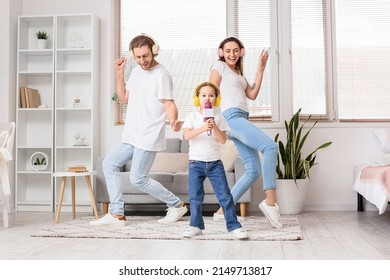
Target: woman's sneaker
<point>109,221</point>
<point>240,233</point>
<point>192,232</point>
<point>173,214</point>
<point>271,213</point>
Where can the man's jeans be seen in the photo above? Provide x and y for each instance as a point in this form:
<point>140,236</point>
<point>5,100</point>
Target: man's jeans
<point>141,164</point>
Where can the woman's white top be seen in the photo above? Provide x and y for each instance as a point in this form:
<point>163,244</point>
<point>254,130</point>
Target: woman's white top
<point>232,87</point>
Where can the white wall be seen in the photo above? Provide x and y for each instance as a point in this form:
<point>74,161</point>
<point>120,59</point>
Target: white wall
<point>331,180</point>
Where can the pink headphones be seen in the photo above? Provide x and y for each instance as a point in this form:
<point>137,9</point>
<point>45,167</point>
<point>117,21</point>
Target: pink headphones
<point>228,39</point>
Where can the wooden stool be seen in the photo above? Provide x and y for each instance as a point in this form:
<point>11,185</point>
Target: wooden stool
<point>73,176</point>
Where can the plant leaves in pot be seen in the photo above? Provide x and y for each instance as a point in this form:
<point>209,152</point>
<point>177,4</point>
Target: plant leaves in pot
<point>296,169</point>
<point>42,38</point>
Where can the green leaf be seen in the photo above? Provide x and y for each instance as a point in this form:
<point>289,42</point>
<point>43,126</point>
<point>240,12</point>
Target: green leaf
<point>290,153</point>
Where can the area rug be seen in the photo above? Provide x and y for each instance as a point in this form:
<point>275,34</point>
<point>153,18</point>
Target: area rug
<point>147,227</point>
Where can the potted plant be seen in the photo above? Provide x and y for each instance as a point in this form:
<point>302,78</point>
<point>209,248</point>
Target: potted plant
<point>42,38</point>
<point>39,161</point>
<point>292,182</point>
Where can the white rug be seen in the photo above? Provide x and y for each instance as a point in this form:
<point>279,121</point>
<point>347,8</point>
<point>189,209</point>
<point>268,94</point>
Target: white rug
<point>146,227</point>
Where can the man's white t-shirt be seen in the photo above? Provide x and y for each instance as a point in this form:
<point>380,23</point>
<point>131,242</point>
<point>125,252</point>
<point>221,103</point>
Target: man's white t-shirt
<point>232,87</point>
<point>203,147</point>
<point>145,117</point>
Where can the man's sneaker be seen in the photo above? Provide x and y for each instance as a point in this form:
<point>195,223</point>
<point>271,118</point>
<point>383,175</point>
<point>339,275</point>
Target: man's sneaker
<point>173,214</point>
<point>240,233</point>
<point>192,232</point>
<point>221,217</point>
<point>109,221</point>
<point>271,213</point>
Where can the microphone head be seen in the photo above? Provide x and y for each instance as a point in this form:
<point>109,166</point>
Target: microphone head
<point>207,105</point>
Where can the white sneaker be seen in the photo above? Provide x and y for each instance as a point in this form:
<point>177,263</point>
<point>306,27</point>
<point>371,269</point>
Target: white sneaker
<point>240,233</point>
<point>221,217</point>
<point>109,221</point>
<point>192,232</point>
<point>271,213</point>
<point>173,214</point>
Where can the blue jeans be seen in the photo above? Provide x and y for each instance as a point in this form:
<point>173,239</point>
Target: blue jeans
<point>141,164</point>
<point>250,140</point>
<point>198,171</point>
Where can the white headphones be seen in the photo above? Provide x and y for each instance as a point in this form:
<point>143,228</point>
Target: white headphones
<point>155,46</point>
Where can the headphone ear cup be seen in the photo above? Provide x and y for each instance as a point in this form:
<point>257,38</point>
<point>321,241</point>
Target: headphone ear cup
<point>196,101</point>
<point>155,48</point>
<point>220,52</point>
<point>217,100</point>
<point>242,52</point>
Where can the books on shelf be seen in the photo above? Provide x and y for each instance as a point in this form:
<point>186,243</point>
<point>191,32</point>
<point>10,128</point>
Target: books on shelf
<point>29,98</point>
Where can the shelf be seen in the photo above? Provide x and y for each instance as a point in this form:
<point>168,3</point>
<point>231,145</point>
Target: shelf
<point>65,76</point>
<point>36,52</point>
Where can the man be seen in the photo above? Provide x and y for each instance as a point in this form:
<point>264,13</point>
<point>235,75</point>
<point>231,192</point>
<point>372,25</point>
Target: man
<point>148,94</point>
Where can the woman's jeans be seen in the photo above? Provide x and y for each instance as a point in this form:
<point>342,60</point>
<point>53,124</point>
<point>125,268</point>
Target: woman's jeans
<point>249,139</point>
<point>214,170</point>
<point>141,164</point>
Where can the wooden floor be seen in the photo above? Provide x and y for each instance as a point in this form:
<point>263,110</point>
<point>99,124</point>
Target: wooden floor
<point>327,236</point>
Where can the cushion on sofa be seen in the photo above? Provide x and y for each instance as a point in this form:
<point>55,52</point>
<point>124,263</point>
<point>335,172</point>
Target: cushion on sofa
<point>173,145</point>
<point>170,163</point>
<point>228,154</point>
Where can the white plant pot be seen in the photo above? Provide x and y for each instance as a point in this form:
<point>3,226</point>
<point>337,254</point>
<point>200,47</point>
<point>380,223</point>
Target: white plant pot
<point>291,198</point>
<point>41,43</point>
<point>39,155</point>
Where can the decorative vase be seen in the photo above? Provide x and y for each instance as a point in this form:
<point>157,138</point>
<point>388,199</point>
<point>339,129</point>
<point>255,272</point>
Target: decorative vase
<point>41,43</point>
<point>290,197</point>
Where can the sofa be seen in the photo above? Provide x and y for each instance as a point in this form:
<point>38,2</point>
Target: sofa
<point>170,168</point>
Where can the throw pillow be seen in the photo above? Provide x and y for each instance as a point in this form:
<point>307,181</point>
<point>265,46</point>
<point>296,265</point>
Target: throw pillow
<point>170,163</point>
<point>228,155</point>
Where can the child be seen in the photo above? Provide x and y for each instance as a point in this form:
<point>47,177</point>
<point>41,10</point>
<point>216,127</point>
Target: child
<point>205,133</point>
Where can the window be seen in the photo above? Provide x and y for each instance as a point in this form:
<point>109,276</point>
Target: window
<point>189,35</point>
<point>334,55</point>
<point>308,43</point>
<point>363,59</point>
<point>341,58</point>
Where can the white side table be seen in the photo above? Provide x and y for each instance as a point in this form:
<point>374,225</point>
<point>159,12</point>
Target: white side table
<point>73,176</point>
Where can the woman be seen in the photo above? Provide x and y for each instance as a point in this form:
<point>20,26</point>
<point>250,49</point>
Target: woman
<point>227,73</point>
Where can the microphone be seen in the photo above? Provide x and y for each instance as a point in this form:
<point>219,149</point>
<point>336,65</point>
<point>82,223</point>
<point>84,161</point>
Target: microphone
<point>208,113</point>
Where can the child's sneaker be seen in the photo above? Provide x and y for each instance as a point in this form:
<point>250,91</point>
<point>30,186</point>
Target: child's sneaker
<point>271,213</point>
<point>173,214</point>
<point>240,233</point>
<point>109,221</point>
<point>192,232</point>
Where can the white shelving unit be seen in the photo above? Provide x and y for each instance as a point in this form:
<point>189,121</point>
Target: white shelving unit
<point>67,70</point>
<point>76,72</point>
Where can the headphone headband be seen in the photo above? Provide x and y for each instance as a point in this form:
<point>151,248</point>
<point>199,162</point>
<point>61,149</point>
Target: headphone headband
<point>231,39</point>
<point>155,47</point>
<point>203,84</point>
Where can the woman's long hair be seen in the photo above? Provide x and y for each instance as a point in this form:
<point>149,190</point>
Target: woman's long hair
<point>239,63</point>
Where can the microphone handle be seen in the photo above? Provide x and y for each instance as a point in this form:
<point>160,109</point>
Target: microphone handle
<point>209,131</point>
